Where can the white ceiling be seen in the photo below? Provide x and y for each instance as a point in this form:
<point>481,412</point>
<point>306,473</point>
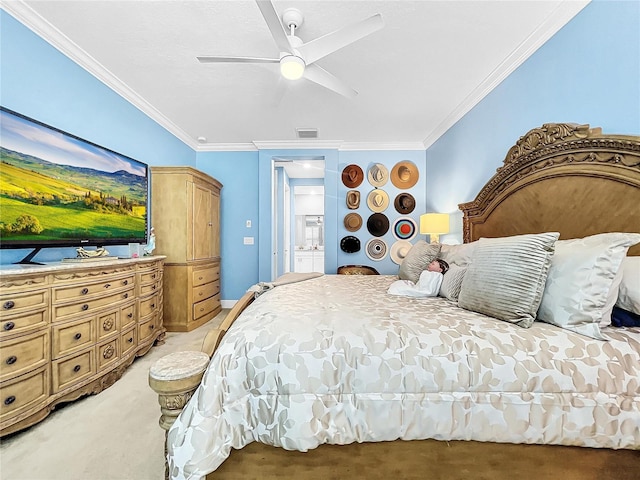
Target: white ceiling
<point>429,65</point>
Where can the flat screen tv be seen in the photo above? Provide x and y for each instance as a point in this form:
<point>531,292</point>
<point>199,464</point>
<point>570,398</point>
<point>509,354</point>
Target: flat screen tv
<point>58,190</point>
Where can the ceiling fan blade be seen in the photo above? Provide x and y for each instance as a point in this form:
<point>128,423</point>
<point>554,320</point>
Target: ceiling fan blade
<point>213,59</point>
<point>320,76</point>
<point>329,43</point>
<point>275,25</point>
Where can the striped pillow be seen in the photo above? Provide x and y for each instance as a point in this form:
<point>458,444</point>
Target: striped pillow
<point>507,277</point>
<point>452,281</point>
<point>417,259</point>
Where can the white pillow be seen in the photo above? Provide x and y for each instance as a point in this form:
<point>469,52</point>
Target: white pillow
<point>458,254</point>
<point>629,294</point>
<point>506,278</point>
<point>581,285</point>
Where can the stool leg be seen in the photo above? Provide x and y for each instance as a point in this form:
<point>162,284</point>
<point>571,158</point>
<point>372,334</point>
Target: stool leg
<point>173,395</point>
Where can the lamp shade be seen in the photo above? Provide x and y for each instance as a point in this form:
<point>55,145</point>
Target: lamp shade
<point>434,224</point>
<point>292,67</point>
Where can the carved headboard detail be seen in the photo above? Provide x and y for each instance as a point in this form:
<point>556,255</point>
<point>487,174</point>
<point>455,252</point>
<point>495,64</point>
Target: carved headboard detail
<point>561,177</point>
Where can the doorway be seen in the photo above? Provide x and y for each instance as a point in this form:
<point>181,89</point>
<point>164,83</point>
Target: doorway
<point>298,193</point>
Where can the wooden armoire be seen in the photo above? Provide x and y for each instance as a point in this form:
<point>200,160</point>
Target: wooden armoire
<point>185,215</point>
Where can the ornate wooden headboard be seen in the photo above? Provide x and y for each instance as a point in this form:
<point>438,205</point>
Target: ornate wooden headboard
<point>563,178</point>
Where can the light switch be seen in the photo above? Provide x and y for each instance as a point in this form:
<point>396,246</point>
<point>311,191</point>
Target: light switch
<point>248,223</point>
<point>248,240</point>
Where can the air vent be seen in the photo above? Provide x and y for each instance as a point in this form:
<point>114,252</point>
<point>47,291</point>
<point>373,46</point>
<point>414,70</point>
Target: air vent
<point>307,132</point>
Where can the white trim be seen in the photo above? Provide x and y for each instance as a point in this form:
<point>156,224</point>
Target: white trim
<point>382,146</point>
<point>228,303</point>
<point>554,22</point>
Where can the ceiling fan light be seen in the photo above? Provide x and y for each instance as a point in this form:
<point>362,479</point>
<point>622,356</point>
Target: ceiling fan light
<point>292,67</point>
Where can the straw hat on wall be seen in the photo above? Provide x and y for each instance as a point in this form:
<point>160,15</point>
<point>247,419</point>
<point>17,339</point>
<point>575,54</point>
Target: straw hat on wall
<point>404,174</point>
<point>377,200</point>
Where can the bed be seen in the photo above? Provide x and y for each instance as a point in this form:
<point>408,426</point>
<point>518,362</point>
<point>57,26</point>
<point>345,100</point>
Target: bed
<point>335,360</point>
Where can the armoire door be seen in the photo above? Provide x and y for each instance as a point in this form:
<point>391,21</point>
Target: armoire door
<point>202,223</point>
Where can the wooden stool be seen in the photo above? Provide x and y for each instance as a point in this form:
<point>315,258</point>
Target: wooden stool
<point>357,270</point>
<point>174,378</point>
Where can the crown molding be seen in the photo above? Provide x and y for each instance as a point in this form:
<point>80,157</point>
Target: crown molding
<point>382,146</point>
<point>32,20</point>
<point>557,19</point>
<point>298,144</point>
<point>226,147</point>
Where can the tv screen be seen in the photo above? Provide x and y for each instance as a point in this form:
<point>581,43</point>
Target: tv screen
<point>58,190</point>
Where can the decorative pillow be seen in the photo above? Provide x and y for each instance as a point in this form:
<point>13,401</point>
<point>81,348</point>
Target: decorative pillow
<point>458,254</point>
<point>629,293</point>
<point>507,276</point>
<point>624,318</point>
<point>581,291</point>
<point>452,281</point>
<point>417,259</point>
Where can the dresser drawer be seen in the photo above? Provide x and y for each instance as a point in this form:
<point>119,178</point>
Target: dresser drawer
<point>61,312</point>
<point>200,309</point>
<point>149,276</point>
<point>127,316</point>
<point>73,336</point>
<point>147,328</point>
<point>128,342</point>
<point>24,323</point>
<point>205,291</point>
<point>21,355</point>
<point>148,306</point>
<point>24,392</point>
<point>86,290</point>
<point>73,370</point>
<point>149,288</point>
<point>14,303</point>
<point>108,353</point>
<point>205,275</point>
<point>107,324</point>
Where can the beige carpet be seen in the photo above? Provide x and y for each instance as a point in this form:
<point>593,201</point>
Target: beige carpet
<point>110,436</point>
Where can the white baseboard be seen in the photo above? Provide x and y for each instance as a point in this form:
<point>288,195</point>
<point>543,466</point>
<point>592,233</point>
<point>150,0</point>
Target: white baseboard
<point>228,303</point>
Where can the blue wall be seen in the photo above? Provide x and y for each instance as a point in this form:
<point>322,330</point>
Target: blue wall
<point>238,173</point>
<point>588,73</point>
<point>40,82</point>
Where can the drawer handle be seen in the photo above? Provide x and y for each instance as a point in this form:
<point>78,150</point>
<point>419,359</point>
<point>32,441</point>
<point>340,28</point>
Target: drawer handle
<point>200,294</point>
<point>130,315</point>
<point>130,340</point>
<point>153,305</point>
<point>199,278</point>
<point>11,360</point>
<point>84,291</point>
<point>126,282</point>
<point>9,400</point>
<point>76,368</point>
<point>153,276</point>
<point>152,327</point>
<point>107,285</point>
<point>126,295</point>
<point>9,305</point>
<point>85,307</point>
<point>154,287</point>
<point>77,336</point>
<point>107,324</point>
<point>9,326</point>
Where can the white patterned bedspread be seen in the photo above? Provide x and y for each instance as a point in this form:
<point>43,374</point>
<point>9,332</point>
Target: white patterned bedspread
<point>337,360</point>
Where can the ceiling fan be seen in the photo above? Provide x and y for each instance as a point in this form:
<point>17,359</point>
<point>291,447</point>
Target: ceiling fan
<point>297,59</point>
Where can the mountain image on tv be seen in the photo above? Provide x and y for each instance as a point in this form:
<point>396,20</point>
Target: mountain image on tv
<point>65,203</point>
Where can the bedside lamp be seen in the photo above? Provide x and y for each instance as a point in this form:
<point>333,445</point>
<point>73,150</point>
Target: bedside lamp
<point>434,224</point>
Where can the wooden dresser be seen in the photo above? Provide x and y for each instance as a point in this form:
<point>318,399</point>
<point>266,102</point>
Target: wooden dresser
<point>72,329</point>
<point>186,218</point>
